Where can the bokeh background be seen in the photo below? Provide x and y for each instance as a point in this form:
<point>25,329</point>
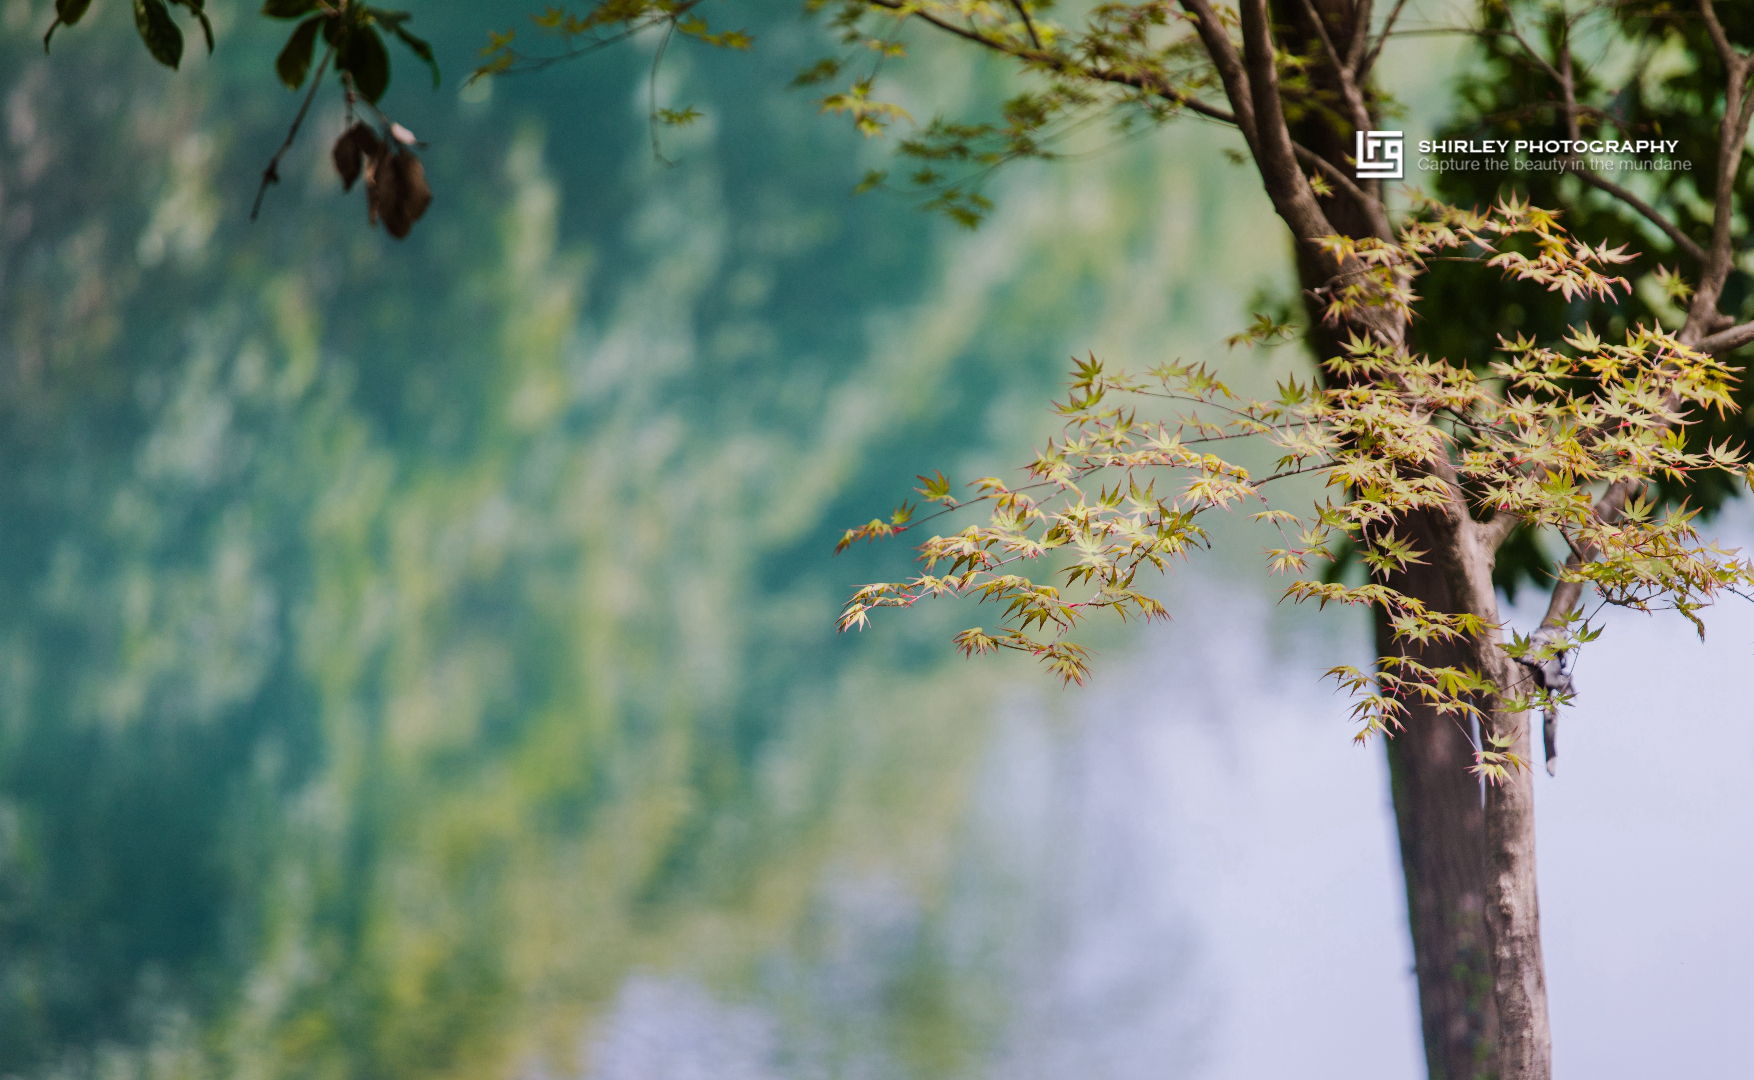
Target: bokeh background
<point>417,660</point>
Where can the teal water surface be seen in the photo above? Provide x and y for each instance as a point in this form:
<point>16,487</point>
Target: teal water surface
<point>414,655</point>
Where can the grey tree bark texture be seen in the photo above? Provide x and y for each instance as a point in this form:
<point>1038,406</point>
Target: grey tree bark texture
<point>1440,822</point>
<point>1513,913</point>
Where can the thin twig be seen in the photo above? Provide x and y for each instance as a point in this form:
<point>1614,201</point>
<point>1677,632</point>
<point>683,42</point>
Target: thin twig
<point>1567,77</point>
<point>1388,28</point>
<point>1687,244</point>
<point>652,89</point>
<point>1342,72</point>
<point>1028,23</point>
<point>1367,202</point>
<point>523,65</point>
<point>271,175</point>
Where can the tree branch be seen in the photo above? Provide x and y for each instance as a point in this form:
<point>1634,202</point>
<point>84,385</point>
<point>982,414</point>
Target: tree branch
<point>1274,157</point>
<point>1382,39</point>
<point>1222,52</point>
<point>1568,87</point>
<point>1028,23</point>
<point>1494,532</point>
<point>1348,88</point>
<point>271,175</point>
<point>1687,244</point>
<point>1566,593</point>
<point>1360,38</point>
<point>1702,315</point>
<point>1727,340</point>
<point>1062,65</point>
<point>1725,51</point>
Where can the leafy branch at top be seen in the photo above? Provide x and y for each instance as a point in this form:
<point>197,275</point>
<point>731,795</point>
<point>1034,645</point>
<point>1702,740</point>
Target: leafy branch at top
<point>152,21</point>
<point>1135,65</point>
<point>605,24</point>
<point>351,30</point>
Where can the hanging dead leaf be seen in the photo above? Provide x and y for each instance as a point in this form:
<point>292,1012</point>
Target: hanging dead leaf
<point>396,189</point>
<point>412,196</point>
<point>377,178</point>
<point>356,144</point>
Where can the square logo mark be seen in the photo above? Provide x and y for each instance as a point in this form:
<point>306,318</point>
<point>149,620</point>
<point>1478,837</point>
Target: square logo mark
<point>1379,155</point>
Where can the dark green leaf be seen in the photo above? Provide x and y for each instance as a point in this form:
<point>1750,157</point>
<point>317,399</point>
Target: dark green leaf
<point>294,61</point>
<point>364,57</point>
<point>419,48</point>
<point>198,8</point>
<point>163,40</point>
<point>288,9</point>
<point>67,12</point>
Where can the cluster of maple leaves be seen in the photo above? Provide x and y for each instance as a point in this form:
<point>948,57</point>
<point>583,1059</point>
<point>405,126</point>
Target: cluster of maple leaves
<point>1538,436</point>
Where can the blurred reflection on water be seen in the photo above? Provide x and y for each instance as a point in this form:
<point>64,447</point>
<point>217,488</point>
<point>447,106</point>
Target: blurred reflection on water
<point>416,659</point>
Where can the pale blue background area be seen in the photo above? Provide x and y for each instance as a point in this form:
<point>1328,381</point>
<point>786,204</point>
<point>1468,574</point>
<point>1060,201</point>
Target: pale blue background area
<point>1220,890</point>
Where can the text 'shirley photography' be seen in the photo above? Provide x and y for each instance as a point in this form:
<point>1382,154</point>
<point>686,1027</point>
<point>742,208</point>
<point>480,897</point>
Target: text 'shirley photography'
<point>1551,155</point>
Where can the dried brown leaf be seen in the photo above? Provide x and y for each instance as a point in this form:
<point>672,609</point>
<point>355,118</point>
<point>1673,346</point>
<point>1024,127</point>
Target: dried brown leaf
<point>355,145</point>
<point>397,189</point>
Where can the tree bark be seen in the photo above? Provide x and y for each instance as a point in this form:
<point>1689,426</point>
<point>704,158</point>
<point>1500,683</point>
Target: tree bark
<point>1465,552</point>
<point>1440,821</point>
<point>1513,914</point>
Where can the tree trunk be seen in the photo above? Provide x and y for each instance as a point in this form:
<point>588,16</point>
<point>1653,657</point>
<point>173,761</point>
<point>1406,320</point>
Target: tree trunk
<point>1513,912</point>
<point>1439,819</point>
<point>1512,908</point>
<point>1441,829</point>
<point>1470,884</point>
<point>1441,825</point>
